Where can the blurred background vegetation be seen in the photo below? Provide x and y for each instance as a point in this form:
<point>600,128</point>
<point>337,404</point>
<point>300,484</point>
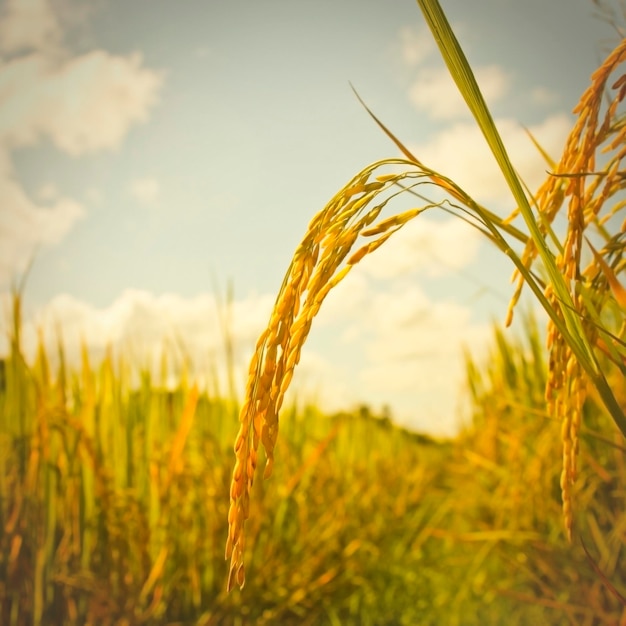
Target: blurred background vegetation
<point>114,500</point>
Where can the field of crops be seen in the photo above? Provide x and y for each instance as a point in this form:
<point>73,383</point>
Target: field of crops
<point>114,502</point>
<point>121,496</point>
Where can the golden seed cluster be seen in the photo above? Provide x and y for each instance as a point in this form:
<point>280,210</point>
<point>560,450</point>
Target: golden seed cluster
<point>326,255</point>
<point>319,264</point>
<point>578,184</point>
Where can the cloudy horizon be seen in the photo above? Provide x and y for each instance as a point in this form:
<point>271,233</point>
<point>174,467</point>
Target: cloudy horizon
<point>149,154</point>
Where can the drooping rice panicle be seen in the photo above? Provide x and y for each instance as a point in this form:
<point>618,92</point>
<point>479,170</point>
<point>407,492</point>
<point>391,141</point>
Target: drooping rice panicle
<point>321,261</point>
<point>585,191</point>
<point>318,265</point>
<point>574,180</point>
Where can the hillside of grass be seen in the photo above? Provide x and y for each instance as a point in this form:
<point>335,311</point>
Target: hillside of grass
<point>114,506</point>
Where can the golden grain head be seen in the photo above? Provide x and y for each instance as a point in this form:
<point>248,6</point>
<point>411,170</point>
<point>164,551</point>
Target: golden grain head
<point>313,272</point>
<point>319,264</point>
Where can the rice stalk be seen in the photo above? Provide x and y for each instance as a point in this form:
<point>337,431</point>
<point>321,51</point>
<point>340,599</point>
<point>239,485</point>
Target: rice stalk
<point>574,298</point>
<point>317,266</point>
<point>578,160</point>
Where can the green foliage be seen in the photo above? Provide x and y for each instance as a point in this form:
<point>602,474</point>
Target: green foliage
<point>113,507</point>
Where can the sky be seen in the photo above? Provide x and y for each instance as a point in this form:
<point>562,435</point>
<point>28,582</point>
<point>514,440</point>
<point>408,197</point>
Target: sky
<point>153,152</point>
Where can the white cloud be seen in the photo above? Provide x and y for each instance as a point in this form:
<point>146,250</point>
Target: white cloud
<point>83,104</point>
<point>416,44</point>
<point>435,92</point>
<point>347,298</point>
<point>25,228</point>
<point>25,225</point>
<point>48,192</point>
<point>409,326</point>
<point>402,349</point>
<point>424,247</point>
<point>146,191</point>
<point>28,25</point>
<point>404,352</point>
<point>139,326</point>
<point>94,196</point>
<point>397,346</point>
<point>461,153</point>
<point>319,380</point>
<point>543,95</point>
